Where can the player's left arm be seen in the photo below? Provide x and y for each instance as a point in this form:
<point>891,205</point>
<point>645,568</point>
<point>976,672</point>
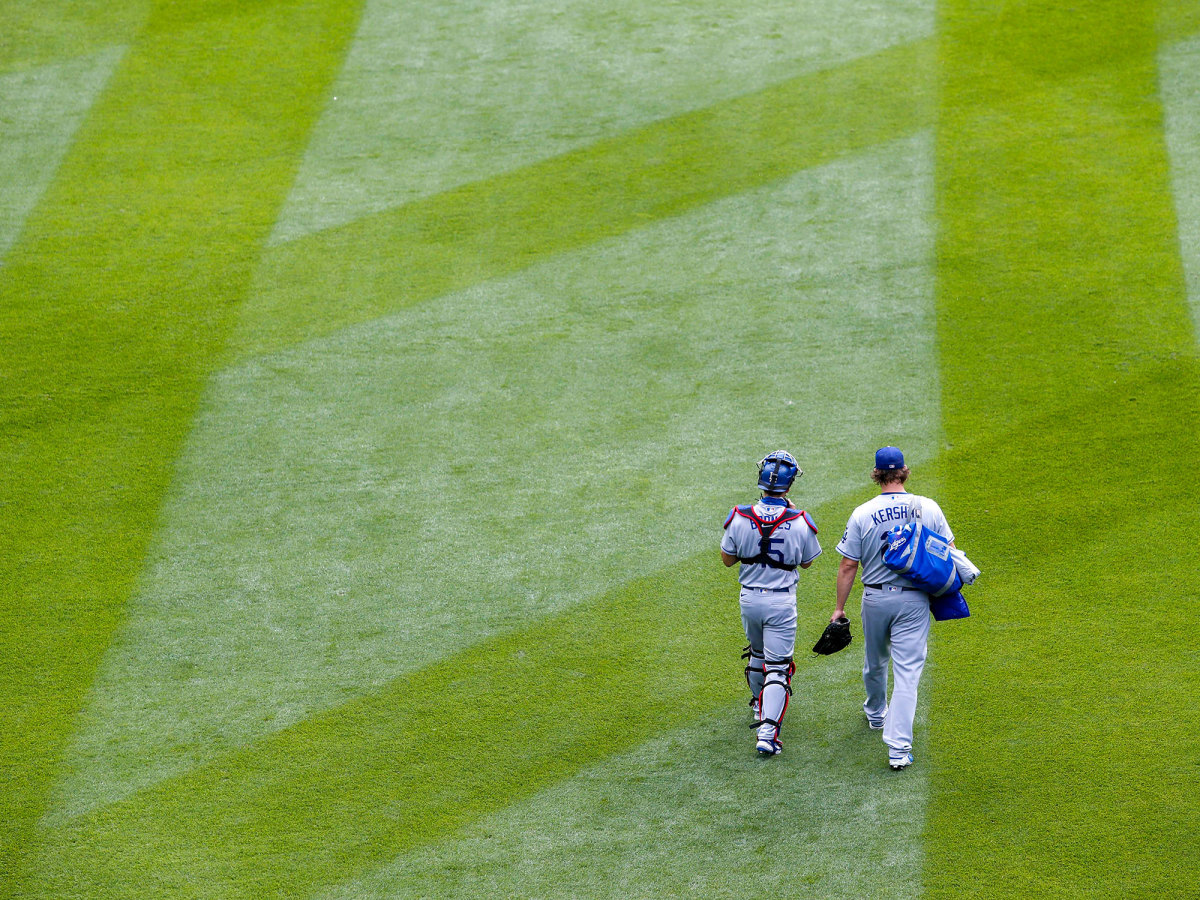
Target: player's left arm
<point>728,558</point>
<point>810,547</point>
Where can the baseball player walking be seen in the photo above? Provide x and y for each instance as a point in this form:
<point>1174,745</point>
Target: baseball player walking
<point>895,616</point>
<point>770,538</point>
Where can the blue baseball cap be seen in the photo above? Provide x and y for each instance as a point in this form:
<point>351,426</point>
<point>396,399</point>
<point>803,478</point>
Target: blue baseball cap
<point>889,458</point>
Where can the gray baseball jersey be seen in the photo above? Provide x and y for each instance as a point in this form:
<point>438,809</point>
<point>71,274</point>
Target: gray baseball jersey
<point>791,543</point>
<point>869,523</point>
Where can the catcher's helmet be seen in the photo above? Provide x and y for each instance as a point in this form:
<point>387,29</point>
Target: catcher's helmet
<point>777,471</point>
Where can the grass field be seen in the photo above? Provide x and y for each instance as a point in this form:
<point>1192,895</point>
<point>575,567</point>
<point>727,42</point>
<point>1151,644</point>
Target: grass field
<point>375,377</point>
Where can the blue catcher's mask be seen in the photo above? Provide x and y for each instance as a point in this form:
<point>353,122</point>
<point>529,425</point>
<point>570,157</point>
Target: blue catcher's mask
<point>777,471</point>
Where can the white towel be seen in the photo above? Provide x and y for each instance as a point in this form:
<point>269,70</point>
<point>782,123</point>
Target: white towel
<point>967,570</point>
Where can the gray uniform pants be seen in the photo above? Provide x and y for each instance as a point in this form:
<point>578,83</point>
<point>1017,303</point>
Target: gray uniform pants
<point>769,619</point>
<point>895,626</point>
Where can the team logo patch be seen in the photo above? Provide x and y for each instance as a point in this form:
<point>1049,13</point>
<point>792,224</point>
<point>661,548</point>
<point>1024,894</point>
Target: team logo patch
<point>769,513</point>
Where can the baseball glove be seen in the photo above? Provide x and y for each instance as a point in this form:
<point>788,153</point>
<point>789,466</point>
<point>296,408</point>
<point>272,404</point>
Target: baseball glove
<point>835,637</point>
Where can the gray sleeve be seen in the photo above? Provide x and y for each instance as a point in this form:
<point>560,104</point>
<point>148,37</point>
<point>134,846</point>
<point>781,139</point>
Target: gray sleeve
<point>940,525</point>
<point>727,543</point>
<point>734,533</point>
<point>812,547</point>
<point>850,546</point>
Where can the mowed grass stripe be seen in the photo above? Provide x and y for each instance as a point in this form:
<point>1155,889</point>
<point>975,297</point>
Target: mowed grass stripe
<point>113,307</point>
<point>336,797</point>
<point>1179,74</point>
<point>487,88</point>
<point>573,367</point>
<point>1069,725</point>
<point>346,791</point>
<point>1177,19</point>
<point>315,285</point>
<point>343,793</point>
<point>52,31</point>
<point>41,108</point>
<point>695,812</point>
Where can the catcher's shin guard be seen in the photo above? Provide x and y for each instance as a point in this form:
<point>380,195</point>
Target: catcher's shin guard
<point>754,676</point>
<point>773,701</point>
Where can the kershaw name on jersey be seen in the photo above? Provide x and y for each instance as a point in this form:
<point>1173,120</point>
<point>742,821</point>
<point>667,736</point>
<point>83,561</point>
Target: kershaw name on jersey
<point>892,514</point>
<point>870,523</point>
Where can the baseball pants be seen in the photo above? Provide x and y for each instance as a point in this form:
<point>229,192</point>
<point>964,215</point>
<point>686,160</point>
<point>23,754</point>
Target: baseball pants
<point>895,625</point>
<point>769,619</point>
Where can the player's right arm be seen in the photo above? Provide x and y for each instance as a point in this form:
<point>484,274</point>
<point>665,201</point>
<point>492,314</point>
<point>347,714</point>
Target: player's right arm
<point>845,581</point>
<point>850,546</point>
<point>728,543</point>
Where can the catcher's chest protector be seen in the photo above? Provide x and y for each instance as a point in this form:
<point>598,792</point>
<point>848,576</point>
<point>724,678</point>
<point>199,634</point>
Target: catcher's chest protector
<point>765,530</point>
<point>788,515</point>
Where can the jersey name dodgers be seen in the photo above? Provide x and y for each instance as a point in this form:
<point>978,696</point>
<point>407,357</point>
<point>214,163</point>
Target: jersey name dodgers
<point>792,543</point>
<point>863,540</point>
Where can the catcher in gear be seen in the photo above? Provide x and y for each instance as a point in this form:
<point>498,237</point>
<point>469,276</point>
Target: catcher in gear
<point>770,538</point>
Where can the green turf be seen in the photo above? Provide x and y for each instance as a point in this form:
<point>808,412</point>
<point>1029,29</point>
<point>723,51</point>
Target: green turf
<point>555,272</point>
<point>1177,19</point>
<point>40,109</point>
<point>114,301</point>
<point>55,31</point>
<point>692,813</point>
<point>1066,739</point>
<point>1179,65</point>
<point>436,95</point>
<point>446,746</point>
<point>224,649</point>
<point>312,286</point>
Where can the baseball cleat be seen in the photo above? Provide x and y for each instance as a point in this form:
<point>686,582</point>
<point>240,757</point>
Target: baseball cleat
<point>768,747</point>
<point>900,762</point>
<point>875,726</point>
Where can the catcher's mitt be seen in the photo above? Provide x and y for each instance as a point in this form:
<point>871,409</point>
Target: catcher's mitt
<point>835,637</point>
